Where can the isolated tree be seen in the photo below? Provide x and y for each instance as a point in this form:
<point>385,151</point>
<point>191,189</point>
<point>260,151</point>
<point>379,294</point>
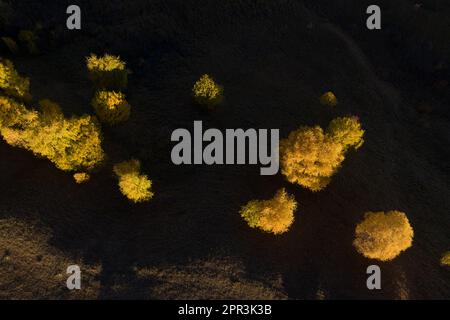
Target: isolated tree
<point>445,260</point>
<point>12,83</point>
<point>328,99</point>
<point>275,215</point>
<point>207,92</point>
<point>347,131</point>
<point>383,236</point>
<point>111,107</point>
<point>309,157</point>
<point>132,184</point>
<point>107,72</point>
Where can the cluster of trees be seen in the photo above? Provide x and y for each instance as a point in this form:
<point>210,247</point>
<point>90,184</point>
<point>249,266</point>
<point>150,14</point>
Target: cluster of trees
<point>72,144</point>
<point>310,156</point>
<point>207,92</point>
<point>134,185</point>
<point>109,76</point>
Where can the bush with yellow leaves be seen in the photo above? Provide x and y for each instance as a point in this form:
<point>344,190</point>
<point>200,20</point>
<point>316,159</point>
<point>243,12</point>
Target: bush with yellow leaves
<point>70,143</point>
<point>346,131</point>
<point>275,215</point>
<point>132,184</point>
<point>12,83</point>
<point>107,72</point>
<point>383,236</point>
<point>15,114</point>
<point>309,157</point>
<point>81,177</point>
<point>111,107</point>
<point>328,99</point>
<point>445,260</point>
<point>207,92</point>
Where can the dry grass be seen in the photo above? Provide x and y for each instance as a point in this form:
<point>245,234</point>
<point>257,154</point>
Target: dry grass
<point>30,268</point>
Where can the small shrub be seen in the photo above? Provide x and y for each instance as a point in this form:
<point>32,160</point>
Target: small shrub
<point>275,215</point>
<point>29,39</point>
<point>107,72</point>
<point>207,92</point>
<point>445,260</point>
<point>347,131</point>
<point>111,107</point>
<point>81,177</point>
<point>309,157</point>
<point>132,184</point>
<point>328,99</point>
<point>383,236</point>
<point>12,83</point>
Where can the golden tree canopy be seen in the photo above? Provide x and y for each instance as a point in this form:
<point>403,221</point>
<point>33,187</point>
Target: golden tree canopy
<point>309,157</point>
<point>347,131</point>
<point>275,215</point>
<point>445,260</point>
<point>11,82</point>
<point>206,91</point>
<point>132,184</point>
<point>383,236</point>
<point>111,107</point>
<point>107,62</point>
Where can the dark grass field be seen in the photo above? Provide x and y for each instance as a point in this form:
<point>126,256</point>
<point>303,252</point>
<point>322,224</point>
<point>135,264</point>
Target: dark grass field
<point>274,59</point>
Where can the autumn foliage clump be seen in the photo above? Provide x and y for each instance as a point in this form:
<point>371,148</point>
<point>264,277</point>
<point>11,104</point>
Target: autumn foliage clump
<point>111,107</point>
<point>15,114</point>
<point>207,92</point>
<point>81,177</point>
<point>383,236</point>
<point>346,131</point>
<point>132,184</point>
<point>12,83</point>
<point>328,99</point>
<point>310,156</point>
<point>274,215</point>
<point>445,260</point>
<point>70,143</point>
<point>108,72</point>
